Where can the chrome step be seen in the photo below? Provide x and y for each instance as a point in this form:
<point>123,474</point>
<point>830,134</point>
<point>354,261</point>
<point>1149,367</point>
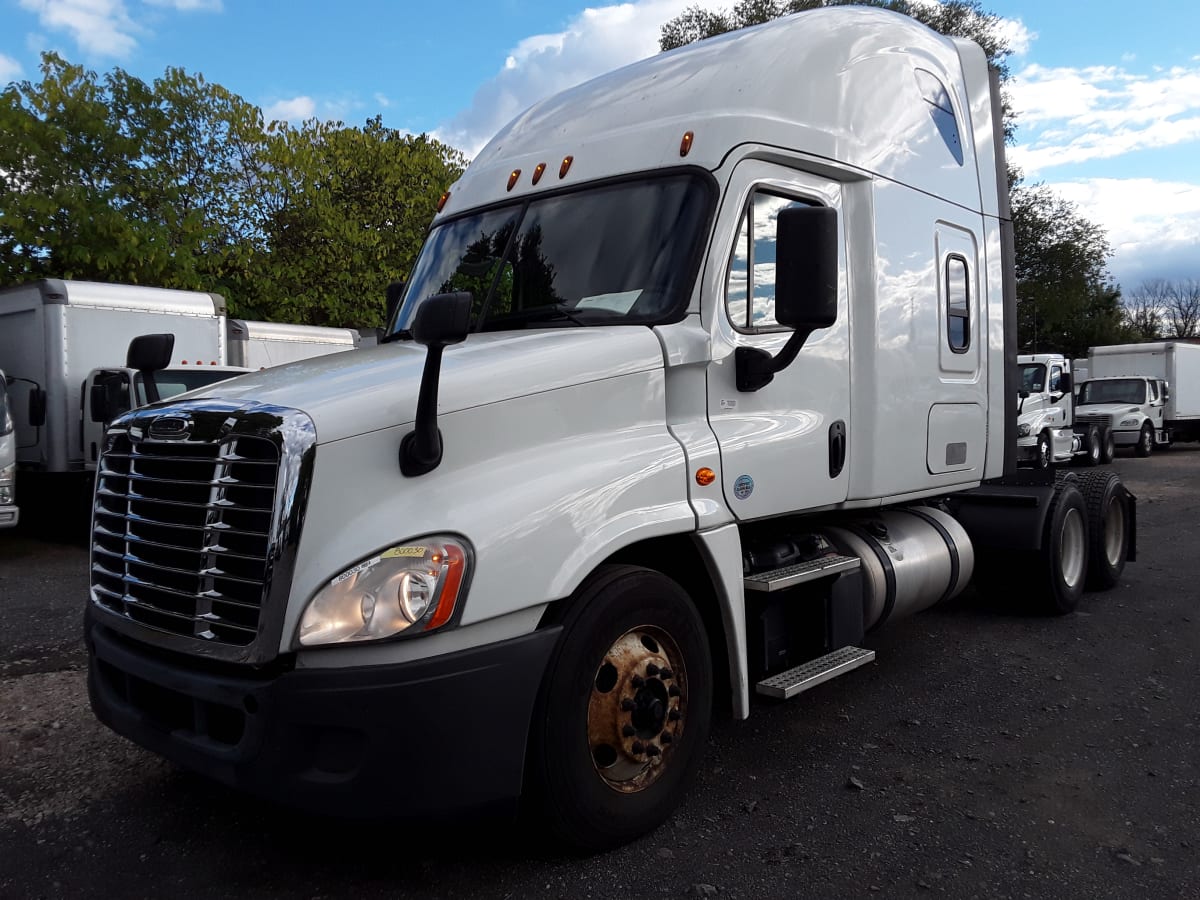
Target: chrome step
<point>788,576</point>
<point>815,671</point>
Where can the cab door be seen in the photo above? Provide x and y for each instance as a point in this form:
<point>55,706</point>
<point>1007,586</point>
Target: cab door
<point>786,446</point>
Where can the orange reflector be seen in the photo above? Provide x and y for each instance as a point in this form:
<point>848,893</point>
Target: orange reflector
<point>705,476</point>
<point>537,173</point>
<point>686,144</point>
<point>455,564</point>
<point>512,179</point>
<point>442,201</point>
<point>566,166</point>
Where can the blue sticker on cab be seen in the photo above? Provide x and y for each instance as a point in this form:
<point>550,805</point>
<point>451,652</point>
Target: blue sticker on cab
<point>743,487</point>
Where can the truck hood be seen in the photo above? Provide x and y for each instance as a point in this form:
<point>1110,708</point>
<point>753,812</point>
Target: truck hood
<point>1106,409</point>
<point>358,391</point>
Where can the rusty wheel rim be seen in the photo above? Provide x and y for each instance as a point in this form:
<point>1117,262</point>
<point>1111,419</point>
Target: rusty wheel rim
<point>637,709</point>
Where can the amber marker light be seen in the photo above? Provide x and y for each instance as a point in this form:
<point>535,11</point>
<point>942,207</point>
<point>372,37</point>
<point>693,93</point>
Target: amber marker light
<point>442,200</point>
<point>512,179</point>
<point>685,145</point>
<point>566,166</point>
<point>705,476</point>
<point>537,173</point>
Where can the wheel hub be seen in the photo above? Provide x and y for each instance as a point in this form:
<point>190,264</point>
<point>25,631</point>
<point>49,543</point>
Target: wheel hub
<point>637,707</point>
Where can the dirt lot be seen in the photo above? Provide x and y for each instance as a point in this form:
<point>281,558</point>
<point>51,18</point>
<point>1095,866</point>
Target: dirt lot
<point>999,756</point>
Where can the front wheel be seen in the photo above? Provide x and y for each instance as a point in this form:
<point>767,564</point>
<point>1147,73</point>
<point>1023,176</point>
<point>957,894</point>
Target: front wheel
<point>1145,444</point>
<point>624,710</point>
<point>1108,450</point>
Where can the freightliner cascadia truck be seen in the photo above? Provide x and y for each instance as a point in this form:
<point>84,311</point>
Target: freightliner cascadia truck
<point>706,371</point>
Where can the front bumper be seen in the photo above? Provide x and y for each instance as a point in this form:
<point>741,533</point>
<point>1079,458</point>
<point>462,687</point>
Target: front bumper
<point>9,516</point>
<point>1126,438</point>
<point>424,739</point>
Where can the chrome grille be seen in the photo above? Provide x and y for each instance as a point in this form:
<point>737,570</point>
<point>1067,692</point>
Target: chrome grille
<point>1103,419</point>
<point>181,538</point>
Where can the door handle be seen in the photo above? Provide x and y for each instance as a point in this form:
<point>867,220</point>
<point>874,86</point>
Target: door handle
<point>837,448</point>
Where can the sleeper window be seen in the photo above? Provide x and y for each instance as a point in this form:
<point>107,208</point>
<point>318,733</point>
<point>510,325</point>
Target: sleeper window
<point>958,304</point>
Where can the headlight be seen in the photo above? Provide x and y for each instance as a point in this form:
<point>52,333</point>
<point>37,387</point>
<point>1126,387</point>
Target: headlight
<point>7,475</point>
<point>407,588</point>
<point>1128,423</point>
<point>1023,430</point>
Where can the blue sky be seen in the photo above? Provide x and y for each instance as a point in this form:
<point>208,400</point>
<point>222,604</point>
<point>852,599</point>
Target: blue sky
<point>1108,93</point>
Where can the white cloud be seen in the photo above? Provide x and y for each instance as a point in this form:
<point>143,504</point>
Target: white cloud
<point>10,69</point>
<point>595,41</point>
<point>1153,226</point>
<point>188,5</point>
<point>297,109</point>
<point>382,101</point>
<point>99,27</point>
<point>1100,112</point>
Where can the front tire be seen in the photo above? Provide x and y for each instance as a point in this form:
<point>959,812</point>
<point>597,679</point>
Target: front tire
<point>1109,448</point>
<point>1109,528</point>
<point>1145,444</point>
<point>624,710</point>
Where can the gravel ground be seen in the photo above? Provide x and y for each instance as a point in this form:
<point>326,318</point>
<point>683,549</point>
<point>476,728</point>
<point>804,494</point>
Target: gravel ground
<point>984,754</point>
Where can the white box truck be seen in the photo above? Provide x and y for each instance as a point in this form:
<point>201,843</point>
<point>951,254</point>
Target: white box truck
<point>1148,393</point>
<point>260,345</point>
<point>9,513</point>
<point>686,395</point>
<point>58,337</point>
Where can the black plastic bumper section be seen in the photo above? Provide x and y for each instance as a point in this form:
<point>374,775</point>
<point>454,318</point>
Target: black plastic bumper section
<point>424,739</point>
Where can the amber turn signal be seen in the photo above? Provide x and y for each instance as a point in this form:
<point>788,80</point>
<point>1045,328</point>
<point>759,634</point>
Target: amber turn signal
<point>705,476</point>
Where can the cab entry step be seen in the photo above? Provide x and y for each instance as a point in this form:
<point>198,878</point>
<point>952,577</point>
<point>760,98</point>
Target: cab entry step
<point>815,671</point>
<point>789,576</point>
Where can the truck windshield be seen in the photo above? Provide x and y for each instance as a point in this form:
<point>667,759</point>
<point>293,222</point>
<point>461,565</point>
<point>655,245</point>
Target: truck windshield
<point>1033,377</point>
<point>1119,390</point>
<point>172,382</point>
<point>622,253</point>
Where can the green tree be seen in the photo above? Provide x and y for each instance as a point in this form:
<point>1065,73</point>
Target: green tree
<point>1066,301</point>
<point>345,212</point>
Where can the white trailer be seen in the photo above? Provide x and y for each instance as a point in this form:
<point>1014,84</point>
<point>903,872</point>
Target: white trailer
<point>53,333</point>
<point>706,370</point>
<point>9,513</point>
<point>1151,392</point>
<point>260,345</point>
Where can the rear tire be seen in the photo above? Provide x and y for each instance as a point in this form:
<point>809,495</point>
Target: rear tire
<point>1094,449</point>
<point>1061,564</point>
<point>624,710</point>
<point>1108,451</point>
<point>1145,444</point>
<point>1109,528</point>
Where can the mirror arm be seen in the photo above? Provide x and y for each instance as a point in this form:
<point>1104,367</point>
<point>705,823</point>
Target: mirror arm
<point>421,448</point>
<point>756,368</point>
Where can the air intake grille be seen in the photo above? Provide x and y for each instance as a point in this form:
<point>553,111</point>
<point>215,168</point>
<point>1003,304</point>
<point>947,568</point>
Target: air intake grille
<point>181,537</point>
<point>1103,419</point>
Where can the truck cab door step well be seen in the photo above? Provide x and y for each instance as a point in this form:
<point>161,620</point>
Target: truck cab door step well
<point>807,675</point>
<point>789,576</point>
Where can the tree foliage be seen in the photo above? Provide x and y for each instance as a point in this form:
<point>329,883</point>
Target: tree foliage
<point>177,183</point>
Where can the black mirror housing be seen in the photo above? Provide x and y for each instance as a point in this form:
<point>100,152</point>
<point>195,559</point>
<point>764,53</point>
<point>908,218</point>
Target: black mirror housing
<point>1064,383</point>
<point>37,407</point>
<point>395,293</point>
<point>98,403</point>
<point>150,352</point>
<point>443,319</point>
<point>806,268</point>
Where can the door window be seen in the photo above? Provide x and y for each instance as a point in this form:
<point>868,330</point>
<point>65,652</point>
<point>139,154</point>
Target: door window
<point>958,306</point>
<point>750,289</point>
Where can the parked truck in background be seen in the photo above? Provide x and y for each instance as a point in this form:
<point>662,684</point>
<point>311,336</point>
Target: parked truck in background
<point>9,513</point>
<point>1149,394</point>
<point>684,397</point>
<point>260,345</point>
<point>1047,431</point>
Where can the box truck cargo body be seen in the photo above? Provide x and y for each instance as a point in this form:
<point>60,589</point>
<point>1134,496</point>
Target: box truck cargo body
<point>8,460</point>
<point>1167,399</point>
<point>260,345</point>
<point>54,333</point>
<point>706,369</point>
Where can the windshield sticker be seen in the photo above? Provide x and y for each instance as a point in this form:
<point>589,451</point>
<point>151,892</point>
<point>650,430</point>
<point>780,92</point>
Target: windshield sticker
<point>743,487</point>
<point>361,567</point>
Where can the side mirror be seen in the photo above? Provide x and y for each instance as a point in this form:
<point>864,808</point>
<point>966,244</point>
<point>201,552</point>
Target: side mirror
<point>1166,392</point>
<point>98,403</point>
<point>37,407</point>
<point>1064,383</point>
<point>1023,394</point>
<point>806,286</point>
<point>148,353</point>
<point>440,321</point>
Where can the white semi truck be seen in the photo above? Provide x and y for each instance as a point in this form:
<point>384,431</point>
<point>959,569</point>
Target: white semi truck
<point>9,513</point>
<point>1148,394</point>
<point>706,371</point>
<point>1047,430</point>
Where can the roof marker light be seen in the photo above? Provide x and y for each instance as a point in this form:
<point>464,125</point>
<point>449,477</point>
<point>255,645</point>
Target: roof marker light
<point>442,200</point>
<point>537,173</point>
<point>566,166</point>
<point>685,145</point>
<point>512,179</point>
